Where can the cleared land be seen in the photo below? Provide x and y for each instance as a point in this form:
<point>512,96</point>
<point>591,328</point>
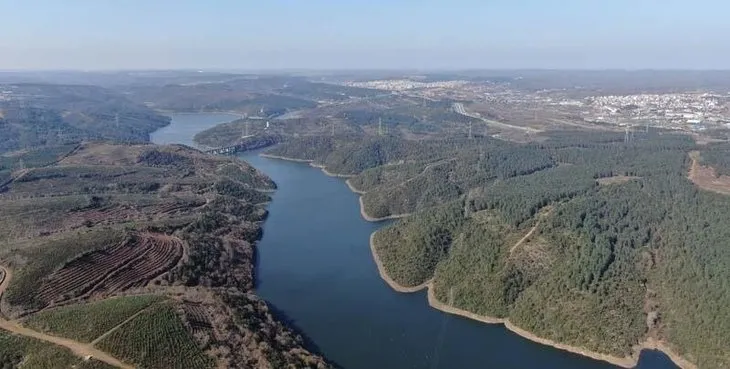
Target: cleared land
<point>706,177</point>
<point>616,180</point>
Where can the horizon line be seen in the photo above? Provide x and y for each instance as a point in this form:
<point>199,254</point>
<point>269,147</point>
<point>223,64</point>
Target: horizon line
<point>358,69</point>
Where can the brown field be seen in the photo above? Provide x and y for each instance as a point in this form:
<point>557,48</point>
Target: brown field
<point>105,154</point>
<point>130,264</point>
<point>706,178</point>
<point>111,214</point>
<point>122,213</point>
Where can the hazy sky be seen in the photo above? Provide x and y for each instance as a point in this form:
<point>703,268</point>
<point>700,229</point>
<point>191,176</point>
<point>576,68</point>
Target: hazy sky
<point>318,34</point>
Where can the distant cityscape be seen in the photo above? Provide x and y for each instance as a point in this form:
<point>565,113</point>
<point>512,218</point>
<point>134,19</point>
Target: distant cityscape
<point>695,111</point>
<point>510,104</point>
<point>690,111</point>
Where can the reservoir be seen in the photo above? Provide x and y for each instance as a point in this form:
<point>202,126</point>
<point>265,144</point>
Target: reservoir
<point>316,269</point>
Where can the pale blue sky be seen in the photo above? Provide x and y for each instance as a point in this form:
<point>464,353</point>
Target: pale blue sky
<point>345,34</point>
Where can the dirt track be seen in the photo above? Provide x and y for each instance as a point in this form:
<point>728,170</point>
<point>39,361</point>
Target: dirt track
<point>79,349</point>
<point>523,239</point>
<point>706,177</point>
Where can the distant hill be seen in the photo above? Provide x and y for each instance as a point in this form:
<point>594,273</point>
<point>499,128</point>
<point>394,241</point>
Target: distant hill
<point>266,96</point>
<point>33,115</point>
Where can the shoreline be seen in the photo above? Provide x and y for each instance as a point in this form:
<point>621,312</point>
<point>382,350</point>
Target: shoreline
<point>263,155</point>
<point>384,275</point>
<point>625,362</point>
<point>353,189</point>
<point>323,169</point>
<point>310,162</point>
<point>372,219</point>
<point>347,182</point>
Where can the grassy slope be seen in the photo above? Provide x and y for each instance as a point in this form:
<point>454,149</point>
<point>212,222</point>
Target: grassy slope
<point>86,322</point>
<point>37,355</point>
<point>156,338</point>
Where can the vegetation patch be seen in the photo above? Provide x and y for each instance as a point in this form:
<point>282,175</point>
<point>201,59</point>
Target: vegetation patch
<point>17,352</point>
<point>156,338</point>
<point>86,322</point>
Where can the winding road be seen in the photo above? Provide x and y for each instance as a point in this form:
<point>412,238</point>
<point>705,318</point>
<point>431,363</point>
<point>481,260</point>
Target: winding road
<point>81,350</point>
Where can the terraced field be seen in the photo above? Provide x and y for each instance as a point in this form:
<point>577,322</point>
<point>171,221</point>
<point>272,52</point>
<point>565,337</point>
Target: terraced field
<point>132,263</point>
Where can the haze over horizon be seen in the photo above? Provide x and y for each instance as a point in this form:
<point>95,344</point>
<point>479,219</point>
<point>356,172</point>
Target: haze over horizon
<point>287,34</point>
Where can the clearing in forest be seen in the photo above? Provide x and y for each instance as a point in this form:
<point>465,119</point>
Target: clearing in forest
<point>706,177</point>
<point>615,180</point>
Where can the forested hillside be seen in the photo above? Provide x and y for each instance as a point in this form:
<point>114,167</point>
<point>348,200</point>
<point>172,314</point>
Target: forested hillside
<point>48,115</point>
<point>580,238</point>
<point>263,96</point>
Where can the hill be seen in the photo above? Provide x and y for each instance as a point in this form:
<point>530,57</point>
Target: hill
<point>33,115</point>
<point>578,238</point>
<point>116,251</point>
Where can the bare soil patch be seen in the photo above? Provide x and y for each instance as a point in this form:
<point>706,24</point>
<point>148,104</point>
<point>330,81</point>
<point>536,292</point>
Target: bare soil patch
<point>706,177</point>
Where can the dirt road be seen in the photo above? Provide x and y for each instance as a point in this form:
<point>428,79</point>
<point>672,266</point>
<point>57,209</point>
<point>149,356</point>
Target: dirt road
<point>523,239</point>
<point>541,216</point>
<point>79,349</point>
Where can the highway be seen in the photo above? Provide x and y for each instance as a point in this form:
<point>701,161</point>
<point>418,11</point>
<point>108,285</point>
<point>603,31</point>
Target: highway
<point>460,109</point>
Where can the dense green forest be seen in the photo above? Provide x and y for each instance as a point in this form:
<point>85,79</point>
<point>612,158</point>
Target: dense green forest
<point>618,244</point>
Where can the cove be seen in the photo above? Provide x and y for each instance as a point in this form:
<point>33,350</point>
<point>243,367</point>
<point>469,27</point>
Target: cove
<point>315,267</point>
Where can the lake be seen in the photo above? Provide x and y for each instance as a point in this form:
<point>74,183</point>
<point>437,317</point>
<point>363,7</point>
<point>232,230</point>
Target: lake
<point>315,268</point>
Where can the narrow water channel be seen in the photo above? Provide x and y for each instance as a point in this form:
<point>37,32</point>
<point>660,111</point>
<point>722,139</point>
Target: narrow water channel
<point>315,267</point>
